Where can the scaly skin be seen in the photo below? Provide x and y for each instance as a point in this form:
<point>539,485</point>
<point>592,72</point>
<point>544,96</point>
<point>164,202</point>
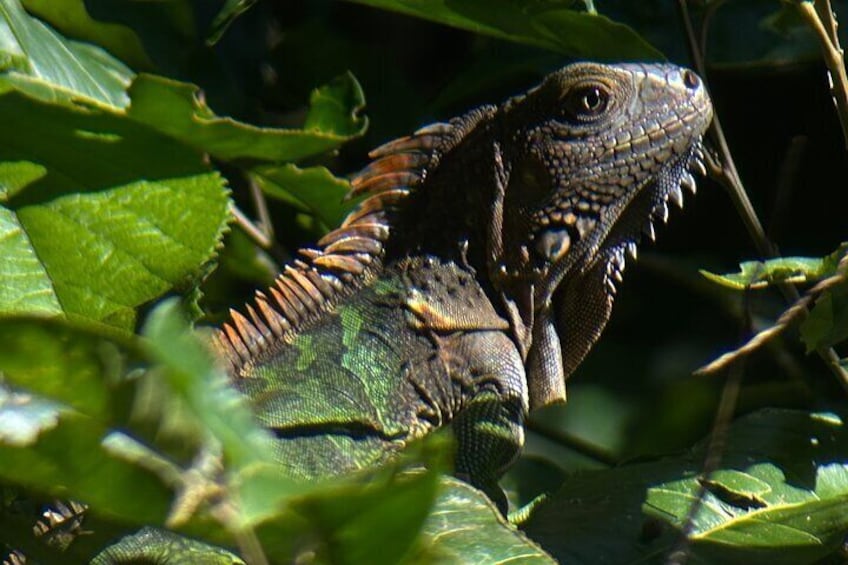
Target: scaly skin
<point>379,370</point>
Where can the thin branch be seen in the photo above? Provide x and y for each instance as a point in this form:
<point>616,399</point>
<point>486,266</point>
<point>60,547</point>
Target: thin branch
<point>821,19</point>
<point>577,444</point>
<point>825,13</point>
<point>786,182</point>
<point>710,10</point>
<point>258,236</point>
<point>261,204</point>
<point>724,171</point>
<point>730,177</point>
<point>712,460</point>
<point>798,309</point>
<point>715,448</point>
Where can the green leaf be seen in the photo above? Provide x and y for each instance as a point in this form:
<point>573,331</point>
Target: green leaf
<point>337,520</point>
<point>68,364</point>
<point>175,109</point>
<point>761,274</point>
<point>52,444</point>
<point>313,189</point>
<point>549,24</point>
<point>465,527</point>
<point>68,460</point>
<point>25,285</point>
<point>231,10</point>
<point>16,175</point>
<point>22,417</point>
<point>779,497</point>
<point>735,484</point>
<point>334,108</point>
<point>387,514</point>
<point>77,395</point>
<point>343,519</point>
<point>253,486</point>
<point>786,524</point>
<point>192,374</point>
<point>101,214</point>
<point>394,510</point>
<point>827,323</point>
<point>36,59</point>
<point>73,18</point>
<point>146,36</point>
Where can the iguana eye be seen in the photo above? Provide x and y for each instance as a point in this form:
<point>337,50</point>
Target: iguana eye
<point>586,101</point>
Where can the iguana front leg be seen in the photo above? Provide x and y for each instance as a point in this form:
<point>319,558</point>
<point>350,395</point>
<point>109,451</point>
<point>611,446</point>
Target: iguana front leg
<point>485,400</point>
<point>489,427</point>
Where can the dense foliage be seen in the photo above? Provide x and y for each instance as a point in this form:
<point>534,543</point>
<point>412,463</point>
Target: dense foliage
<point>133,134</point>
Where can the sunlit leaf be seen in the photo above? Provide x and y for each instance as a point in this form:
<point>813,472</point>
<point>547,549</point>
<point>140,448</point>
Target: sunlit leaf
<point>779,497</point>
<point>101,214</point>
<point>760,274</point>
<point>74,19</point>
<point>33,55</point>
<point>465,527</point>
<point>313,189</point>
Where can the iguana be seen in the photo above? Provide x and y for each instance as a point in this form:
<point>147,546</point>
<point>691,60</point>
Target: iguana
<point>474,276</point>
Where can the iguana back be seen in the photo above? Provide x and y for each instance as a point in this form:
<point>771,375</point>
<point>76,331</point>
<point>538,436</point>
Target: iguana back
<point>473,278</point>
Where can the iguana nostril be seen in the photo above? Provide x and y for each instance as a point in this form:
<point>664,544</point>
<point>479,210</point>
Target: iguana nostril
<point>690,79</point>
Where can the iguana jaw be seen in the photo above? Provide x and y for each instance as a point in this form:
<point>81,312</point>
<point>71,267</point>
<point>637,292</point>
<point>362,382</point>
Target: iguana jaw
<point>573,302</point>
<point>618,233</point>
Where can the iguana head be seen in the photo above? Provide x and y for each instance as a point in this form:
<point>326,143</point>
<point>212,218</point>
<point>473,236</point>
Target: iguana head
<point>597,155</point>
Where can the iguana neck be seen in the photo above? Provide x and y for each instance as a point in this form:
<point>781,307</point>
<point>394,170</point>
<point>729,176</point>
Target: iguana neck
<point>458,210</point>
<point>449,214</point>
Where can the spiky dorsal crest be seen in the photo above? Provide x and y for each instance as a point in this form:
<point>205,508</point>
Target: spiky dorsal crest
<point>344,259</point>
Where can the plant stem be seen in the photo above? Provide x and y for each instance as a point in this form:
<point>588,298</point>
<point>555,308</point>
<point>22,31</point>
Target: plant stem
<point>258,236</point>
<point>822,21</point>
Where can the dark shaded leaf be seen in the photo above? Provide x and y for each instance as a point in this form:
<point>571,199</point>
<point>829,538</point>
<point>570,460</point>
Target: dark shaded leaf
<point>550,24</point>
<point>177,110</point>
<point>827,323</point>
<point>229,12</point>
